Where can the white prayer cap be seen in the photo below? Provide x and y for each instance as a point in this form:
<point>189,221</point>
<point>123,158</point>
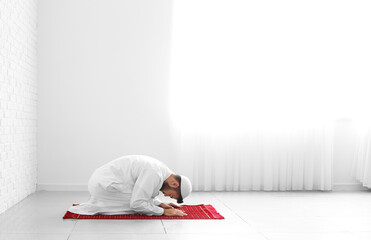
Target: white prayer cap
<point>185,186</point>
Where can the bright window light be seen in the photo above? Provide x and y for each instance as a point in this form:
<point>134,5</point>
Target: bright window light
<point>236,65</point>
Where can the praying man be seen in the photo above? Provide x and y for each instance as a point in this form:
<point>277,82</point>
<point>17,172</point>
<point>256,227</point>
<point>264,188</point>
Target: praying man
<point>130,185</point>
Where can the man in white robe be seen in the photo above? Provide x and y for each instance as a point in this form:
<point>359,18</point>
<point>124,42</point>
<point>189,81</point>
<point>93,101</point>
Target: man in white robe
<point>130,184</point>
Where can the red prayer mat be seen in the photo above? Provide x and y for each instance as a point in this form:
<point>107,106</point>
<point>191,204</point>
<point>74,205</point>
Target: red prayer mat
<point>193,212</point>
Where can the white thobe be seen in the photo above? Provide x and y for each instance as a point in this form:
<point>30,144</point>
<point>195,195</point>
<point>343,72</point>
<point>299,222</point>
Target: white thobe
<point>126,185</point>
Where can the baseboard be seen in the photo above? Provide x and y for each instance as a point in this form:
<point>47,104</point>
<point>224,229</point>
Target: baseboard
<point>348,187</point>
<point>76,187</point>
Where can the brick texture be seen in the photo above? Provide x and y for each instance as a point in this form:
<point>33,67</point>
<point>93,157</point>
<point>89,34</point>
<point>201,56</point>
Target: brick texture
<point>18,100</point>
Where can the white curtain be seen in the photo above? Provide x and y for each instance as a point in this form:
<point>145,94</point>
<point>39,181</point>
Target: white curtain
<point>256,86</point>
<point>362,156</point>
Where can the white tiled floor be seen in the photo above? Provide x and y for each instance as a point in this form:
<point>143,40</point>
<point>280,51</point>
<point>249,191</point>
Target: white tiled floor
<point>248,215</point>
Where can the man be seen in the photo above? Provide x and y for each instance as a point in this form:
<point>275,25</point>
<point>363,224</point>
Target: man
<point>130,184</point>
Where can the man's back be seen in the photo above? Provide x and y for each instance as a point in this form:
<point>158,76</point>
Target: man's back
<point>122,173</point>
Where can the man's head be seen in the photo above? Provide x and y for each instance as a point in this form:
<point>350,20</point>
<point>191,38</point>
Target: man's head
<point>177,187</point>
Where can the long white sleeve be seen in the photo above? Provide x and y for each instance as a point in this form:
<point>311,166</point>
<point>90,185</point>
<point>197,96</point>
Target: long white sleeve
<point>157,201</point>
<point>142,200</point>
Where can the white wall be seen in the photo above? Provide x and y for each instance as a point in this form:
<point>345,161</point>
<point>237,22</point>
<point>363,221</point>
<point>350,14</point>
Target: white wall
<point>18,101</point>
<point>103,76</point>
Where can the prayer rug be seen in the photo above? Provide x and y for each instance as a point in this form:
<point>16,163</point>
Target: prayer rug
<point>193,212</point>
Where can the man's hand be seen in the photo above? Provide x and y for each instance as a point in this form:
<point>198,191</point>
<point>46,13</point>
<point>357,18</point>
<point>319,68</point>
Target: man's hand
<point>172,212</point>
<point>168,205</point>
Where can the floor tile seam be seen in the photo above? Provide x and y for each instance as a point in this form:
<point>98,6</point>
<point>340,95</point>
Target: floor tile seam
<point>257,230</point>
<point>264,236</point>
<point>163,225</point>
<point>232,210</point>
<point>72,230</point>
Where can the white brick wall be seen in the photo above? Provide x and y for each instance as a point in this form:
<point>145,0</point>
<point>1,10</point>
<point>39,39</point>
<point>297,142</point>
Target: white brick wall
<point>18,99</point>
